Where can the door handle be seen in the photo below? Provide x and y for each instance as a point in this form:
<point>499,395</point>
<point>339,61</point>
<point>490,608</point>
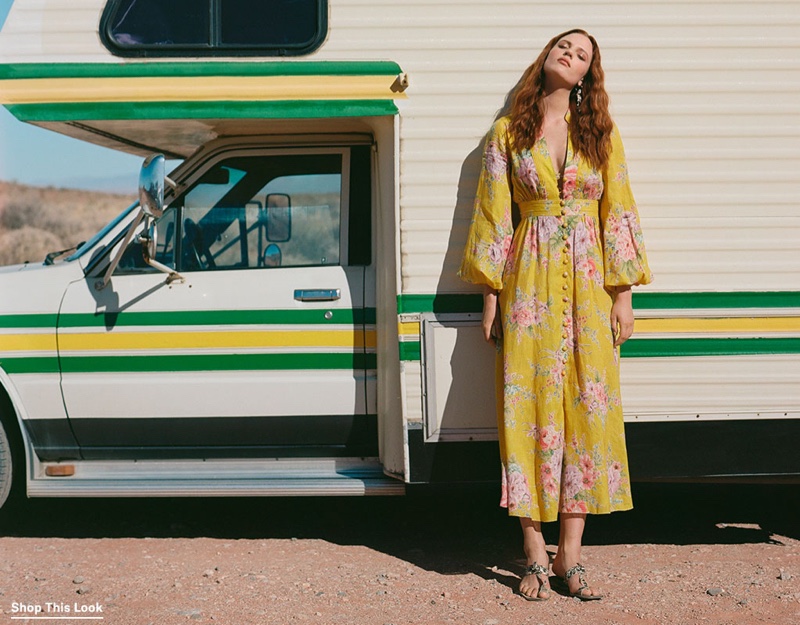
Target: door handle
<point>317,295</point>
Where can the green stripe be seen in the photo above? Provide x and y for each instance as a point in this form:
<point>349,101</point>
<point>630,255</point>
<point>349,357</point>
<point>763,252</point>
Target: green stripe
<point>444,303</point>
<point>734,299</point>
<point>674,348</point>
<point>189,69</point>
<point>203,362</point>
<point>283,109</point>
<point>661,348</point>
<point>46,320</point>
<point>193,318</point>
<point>43,364</point>
<point>410,350</point>
<point>473,302</point>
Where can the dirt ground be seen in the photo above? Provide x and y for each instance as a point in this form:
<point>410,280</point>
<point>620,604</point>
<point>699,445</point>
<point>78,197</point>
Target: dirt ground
<point>688,554</point>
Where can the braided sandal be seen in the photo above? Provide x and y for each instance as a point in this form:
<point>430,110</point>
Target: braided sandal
<point>578,570</point>
<point>544,584</point>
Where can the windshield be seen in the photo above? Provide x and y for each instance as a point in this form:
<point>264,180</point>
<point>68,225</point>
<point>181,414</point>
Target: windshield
<point>97,237</point>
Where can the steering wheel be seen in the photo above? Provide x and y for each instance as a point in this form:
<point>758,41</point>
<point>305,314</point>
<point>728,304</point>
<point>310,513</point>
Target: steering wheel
<point>196,254</point>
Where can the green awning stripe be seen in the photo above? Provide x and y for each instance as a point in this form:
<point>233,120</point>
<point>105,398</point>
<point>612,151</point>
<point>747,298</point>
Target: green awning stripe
<point>194,362</point>
<point>279,109</point>
<point>149,69</point>
<point>193,318</point>
<point>473,302</point>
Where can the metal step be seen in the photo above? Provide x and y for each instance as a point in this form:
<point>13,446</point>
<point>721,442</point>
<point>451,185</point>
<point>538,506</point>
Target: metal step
<point>276,477</point>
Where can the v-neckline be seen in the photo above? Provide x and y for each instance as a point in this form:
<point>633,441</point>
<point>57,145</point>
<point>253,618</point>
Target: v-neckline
<point>559,172</point>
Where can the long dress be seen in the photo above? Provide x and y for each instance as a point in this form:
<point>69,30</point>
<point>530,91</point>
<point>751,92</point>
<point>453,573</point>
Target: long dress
<point>561,431</point>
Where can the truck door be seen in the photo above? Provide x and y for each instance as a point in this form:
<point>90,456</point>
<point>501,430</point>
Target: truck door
<point>264,348</point>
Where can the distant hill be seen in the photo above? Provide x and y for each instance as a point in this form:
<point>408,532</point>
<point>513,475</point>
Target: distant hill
<point>37,220</point>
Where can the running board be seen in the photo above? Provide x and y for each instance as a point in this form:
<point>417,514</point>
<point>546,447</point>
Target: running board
<point>276,477</point>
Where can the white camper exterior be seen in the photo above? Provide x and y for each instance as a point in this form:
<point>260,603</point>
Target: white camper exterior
<point>401,95</point>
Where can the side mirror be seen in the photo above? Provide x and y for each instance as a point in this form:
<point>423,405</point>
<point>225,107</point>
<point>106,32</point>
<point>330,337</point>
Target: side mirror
<point>151,185</point>
<point>279,217</point>
<point>272,256</point>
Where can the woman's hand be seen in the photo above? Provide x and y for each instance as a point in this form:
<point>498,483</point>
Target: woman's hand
<point>491,320</point>
<point>622,315</point>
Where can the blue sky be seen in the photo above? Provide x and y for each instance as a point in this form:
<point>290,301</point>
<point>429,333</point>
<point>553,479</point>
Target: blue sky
<point>32,155</point>
<point>35,156</point>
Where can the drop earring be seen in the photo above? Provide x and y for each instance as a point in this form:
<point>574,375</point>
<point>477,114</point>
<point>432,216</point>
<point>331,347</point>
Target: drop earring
<point>578,95</point>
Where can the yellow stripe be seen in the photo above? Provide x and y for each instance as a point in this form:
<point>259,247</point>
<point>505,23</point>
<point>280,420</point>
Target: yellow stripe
<point>408,328</point>
<point>215,88</point>
<point>188,340</point>
<point>727,325</point>
<point>27,342</point>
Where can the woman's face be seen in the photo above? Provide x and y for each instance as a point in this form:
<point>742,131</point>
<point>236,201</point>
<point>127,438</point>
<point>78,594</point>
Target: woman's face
<point>568,61</point>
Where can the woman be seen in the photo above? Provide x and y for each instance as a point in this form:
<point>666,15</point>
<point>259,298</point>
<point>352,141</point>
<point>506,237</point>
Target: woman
<point>557,301</point>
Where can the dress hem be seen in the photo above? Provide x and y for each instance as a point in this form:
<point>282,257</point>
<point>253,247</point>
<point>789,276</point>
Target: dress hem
<point>550,519</point>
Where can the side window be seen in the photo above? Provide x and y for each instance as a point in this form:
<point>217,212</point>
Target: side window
<point>267,211</point>
<point>282,210</point>
<point>213,27</point>
<point>302,218</point>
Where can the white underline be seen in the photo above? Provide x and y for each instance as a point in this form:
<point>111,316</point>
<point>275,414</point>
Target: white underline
<point>56,618</point>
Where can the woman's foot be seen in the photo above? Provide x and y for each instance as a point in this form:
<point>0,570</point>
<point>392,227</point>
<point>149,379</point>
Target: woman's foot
<point>573,581</point>
<point>535,583</point>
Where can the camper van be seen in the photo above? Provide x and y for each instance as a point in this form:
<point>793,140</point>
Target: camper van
<point>281,315</point>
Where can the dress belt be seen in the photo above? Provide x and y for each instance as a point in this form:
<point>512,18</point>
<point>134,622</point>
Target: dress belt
<point>557,208</point>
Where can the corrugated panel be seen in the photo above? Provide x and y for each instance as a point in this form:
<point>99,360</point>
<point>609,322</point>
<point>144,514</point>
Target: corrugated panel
<point>705,94</point>
<point>751,386</point>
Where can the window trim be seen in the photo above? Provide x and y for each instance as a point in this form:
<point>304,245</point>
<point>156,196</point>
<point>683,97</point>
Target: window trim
<point>199,50</point>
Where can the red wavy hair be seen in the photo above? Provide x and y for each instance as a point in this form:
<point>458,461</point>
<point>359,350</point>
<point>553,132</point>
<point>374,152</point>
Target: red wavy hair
<point>590,124</point>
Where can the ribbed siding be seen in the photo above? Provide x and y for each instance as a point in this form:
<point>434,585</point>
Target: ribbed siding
<point>705,95</point>
<point>746,386</point>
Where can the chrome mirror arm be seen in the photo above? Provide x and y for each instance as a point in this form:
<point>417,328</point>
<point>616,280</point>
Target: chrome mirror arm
<point>100,285</point>
<point>146,237</point>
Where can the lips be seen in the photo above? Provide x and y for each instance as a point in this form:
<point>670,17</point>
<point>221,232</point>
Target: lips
<point>564,62</point>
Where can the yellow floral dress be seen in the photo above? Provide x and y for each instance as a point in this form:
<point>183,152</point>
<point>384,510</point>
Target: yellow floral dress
<point>562,439</point>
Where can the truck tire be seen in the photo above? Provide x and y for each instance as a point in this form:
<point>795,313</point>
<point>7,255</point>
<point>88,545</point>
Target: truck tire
<point>6,466</point>
<point>11,467</point>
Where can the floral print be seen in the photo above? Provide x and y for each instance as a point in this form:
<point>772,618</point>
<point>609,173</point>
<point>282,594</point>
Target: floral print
<point>562,442</point>
<point>527,170</point>
<point>495,162</point>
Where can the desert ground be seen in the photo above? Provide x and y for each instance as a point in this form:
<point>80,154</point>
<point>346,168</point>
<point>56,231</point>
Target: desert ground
<point>687,554</point>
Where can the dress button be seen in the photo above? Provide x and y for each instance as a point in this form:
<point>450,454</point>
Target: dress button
<point>563,348</point>
<point>564,336</point>
<point>562,202</point>
<point>566,260</point>
<point>566,322</point>
<point>564,287</point>
<point>563,211</point>
<point>565,275</point>
<point>565,299</point>
<point>564,237</point>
